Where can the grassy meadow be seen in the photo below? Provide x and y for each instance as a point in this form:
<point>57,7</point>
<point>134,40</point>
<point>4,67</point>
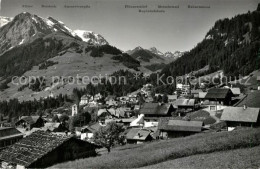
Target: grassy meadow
<point>134,156</point>
<point>235,159</point>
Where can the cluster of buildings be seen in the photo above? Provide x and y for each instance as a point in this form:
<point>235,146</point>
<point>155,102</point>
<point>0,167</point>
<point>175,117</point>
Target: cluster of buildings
<point>35,141</point>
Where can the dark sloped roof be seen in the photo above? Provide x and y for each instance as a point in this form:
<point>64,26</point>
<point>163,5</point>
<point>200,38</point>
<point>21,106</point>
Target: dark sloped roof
<point>179,125</point>
<point>196,91</point>
<point>93,128</point>
<point>51,126</point>
<point>138,134</point>
<point>7,132</point>
<point>185,102</point>
<point>155,108</point>
<point>30,119</point>
<point>239,114</point>
<point>32,148</point>
<point>217,93</point>
<point>252,99</point>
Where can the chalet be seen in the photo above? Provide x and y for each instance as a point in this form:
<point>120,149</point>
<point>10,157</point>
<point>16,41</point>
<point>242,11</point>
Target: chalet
<point>138,136</point>
<point>87,132</point>
<point>183,89</point>
<point>125,121</point>
<point>54,127</point>
<point>42,149</point>
<point>84,99</point>
<point>250,100</point>
<point>241,116</point>
<point>9,136</point>
<point>222,96</point>
<point>153,111</point>
<point>212,106</point>
<point>29,122</point>
<point>172,128</point>
<point>118,112</point>
<point>93,104</point>
<point>185,104</point>
<point>195,93</point>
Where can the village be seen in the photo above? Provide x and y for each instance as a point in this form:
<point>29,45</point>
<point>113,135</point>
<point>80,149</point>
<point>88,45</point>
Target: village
<point>143,116</point>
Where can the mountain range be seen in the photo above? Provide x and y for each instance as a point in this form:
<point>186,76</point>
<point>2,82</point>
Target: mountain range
<point>35,46</point>
<point>146,54</point>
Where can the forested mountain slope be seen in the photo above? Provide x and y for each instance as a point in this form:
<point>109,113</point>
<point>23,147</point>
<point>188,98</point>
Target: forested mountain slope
<point>231,45</point>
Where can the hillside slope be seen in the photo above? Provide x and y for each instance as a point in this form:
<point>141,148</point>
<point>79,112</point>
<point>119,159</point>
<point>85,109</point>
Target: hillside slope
<point>134,156</point>
<point>237,159</point>
<point>231,45</point>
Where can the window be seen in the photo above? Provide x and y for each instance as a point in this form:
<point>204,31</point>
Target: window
<point>212,108</point>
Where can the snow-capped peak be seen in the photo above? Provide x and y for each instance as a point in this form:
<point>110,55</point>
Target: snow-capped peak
<point>34,26</point>
<point>4,20</point>
<point>91,37</point>
<point>155,51</point>
<point>174,55</point>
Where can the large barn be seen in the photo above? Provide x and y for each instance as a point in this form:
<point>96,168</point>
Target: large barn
<point>241,116</point>
<point>42,149</point>
<point>153,111</point>
<point>221,95</point>
<point>172,128</point>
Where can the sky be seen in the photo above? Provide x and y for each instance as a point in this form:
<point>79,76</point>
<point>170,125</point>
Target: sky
<point>126,28</point>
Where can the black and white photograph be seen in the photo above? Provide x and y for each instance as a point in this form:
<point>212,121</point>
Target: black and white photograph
<point>116,84</point>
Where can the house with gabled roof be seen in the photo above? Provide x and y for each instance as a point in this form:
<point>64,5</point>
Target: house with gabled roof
<point>221,95</point>
<point>241,116</point>
<point>29,122</point>
<point>54,127</point>
<point>153,111</point>
<point>43,149</point>
<point>186,103</point>
<point>87,132</point>
<point>8,136</point>
<point>174,127</point>
<point>251,99</point>
<point>195,93</point>
<point>138,136</point>
<point>85,99</point>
